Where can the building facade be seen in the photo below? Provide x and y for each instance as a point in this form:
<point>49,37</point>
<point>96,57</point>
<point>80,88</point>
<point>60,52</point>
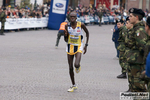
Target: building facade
<point>18,2</point>
<point>142,4</point>
<point>127,4</point>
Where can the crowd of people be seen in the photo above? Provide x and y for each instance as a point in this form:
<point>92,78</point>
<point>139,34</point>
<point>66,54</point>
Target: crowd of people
<point>82,10</point>
<point>27,12</point>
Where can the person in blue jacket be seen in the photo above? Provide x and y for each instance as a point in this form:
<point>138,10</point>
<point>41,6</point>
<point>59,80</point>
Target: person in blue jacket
<point>115,38</point>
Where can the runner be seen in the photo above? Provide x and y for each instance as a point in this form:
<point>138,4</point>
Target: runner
<point>74,38</point>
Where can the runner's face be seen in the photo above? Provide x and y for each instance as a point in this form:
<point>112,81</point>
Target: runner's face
<point>73,18</point>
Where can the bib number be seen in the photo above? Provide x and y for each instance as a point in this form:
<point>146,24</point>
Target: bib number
<point>74,40</point>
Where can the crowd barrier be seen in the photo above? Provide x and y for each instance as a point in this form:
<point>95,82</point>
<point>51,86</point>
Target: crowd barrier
<point>19,23</point>
<point>95,19</point>
<point>105,19</point>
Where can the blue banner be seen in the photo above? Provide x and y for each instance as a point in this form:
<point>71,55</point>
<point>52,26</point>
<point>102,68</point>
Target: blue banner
<point>57,13</point>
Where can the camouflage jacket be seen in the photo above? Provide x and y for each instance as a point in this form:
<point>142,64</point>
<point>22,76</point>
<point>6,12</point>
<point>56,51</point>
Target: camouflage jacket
<point>100,14</point>
<point>136,44</point>
<point>127,38</point>
<point>121,39</point>
<point>3,17</point>
<point>146,48</point>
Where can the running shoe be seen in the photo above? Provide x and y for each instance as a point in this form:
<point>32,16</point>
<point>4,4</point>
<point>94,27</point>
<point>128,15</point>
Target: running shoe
<point>78,69</point>
<point>72,88</point>
<point>56,47</point>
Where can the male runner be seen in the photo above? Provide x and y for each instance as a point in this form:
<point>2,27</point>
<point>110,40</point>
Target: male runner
<point>74,38</point>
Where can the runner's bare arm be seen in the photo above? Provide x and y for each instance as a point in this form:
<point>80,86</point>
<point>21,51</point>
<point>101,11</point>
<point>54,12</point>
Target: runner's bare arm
<point>87,36</point>
<point>66,33</point>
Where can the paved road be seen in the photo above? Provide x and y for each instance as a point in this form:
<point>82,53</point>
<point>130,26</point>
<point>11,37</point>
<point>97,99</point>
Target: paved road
<point>32,69</point>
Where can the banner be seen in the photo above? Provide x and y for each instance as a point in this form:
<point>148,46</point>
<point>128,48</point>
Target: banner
<point>19,23</point>
<point>57,13</point>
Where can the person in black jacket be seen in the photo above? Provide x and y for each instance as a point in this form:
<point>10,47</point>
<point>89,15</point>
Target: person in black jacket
<point>115,39</point>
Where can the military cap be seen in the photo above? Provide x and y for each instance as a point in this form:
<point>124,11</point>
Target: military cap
<point>137,11</point>
<point>148,20</point>
<point>127,18</point>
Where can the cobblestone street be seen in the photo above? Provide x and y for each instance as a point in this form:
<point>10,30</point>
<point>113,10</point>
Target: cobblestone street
<point>32,69</point>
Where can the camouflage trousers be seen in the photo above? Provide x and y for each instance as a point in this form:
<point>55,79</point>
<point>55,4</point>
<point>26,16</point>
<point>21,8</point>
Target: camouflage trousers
<point>137,85</point>
<point>129,75</point>
<point>100,21</point>
<point>2,27</point>
<point>148,86</point>
<point>122,61</point>
<point>147,81</point>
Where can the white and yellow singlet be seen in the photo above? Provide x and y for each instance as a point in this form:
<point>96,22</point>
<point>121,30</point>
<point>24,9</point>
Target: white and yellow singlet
<point>75,39</point>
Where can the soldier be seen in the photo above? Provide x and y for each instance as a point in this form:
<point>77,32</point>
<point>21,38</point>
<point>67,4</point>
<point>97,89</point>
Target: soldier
<point>136,43</point>
<point>129,27</point>
<point>121,47</point>
<point>146,77</point>
<point>2,20</point>
<point>100,15</point>
<point>147,51</point>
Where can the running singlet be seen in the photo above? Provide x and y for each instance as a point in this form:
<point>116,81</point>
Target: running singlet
<point>75,39</point>
<point>75,35</point>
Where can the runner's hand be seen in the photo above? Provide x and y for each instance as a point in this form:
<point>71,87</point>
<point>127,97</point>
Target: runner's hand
<point>85,49</point>
<point>65,32</point>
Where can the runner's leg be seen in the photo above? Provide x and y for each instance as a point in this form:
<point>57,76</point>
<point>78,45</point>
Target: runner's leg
<point>70,62</point>
<point>77,60</point>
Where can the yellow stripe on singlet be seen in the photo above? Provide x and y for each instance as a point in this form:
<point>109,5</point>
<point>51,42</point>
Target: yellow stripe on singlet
<point>71,48</point>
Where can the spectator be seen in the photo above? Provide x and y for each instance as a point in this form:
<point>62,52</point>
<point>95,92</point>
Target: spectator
<point>115,38</point>
<point>20,14</point>
<point>33,14</point>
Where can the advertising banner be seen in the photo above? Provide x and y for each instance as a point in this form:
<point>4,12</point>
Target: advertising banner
<point>19,23</point>
<point>57,13</point>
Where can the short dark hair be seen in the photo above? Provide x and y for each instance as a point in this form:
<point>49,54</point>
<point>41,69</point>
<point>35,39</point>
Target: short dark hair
<point>139,16</point>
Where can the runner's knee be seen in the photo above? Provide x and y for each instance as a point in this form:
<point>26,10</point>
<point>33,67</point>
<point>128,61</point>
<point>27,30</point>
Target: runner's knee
<point>77,65</point>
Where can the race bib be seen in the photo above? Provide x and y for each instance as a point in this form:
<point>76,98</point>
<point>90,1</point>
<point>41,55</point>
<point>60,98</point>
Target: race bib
<point>74,40</point>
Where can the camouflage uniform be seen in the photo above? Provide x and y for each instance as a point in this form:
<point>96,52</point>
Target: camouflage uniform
<point>100,15</point>
<point>2,20</point>
<point>127,38</point>
<point>121,48</point>
<point>135,56</point>
<point>146,51</point>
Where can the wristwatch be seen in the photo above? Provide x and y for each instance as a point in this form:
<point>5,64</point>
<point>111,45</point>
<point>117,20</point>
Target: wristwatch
<point>86,44</point>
